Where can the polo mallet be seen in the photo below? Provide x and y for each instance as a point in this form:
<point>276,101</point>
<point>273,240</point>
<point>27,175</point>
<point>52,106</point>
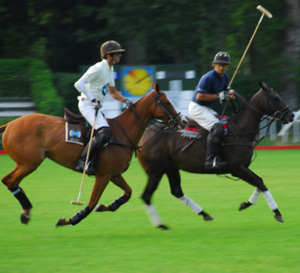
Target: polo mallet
<point>264,12</point>
<point>78,202</point>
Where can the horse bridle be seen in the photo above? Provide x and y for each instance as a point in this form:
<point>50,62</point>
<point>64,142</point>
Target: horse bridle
<point>172,120</point>
<point>277,115</point>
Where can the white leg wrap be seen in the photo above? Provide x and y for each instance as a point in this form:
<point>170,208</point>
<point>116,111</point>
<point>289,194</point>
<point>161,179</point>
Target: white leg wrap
<point>253,198</point>
<point>271,202</point>
<point>191,204</point>
<point>154,217</point>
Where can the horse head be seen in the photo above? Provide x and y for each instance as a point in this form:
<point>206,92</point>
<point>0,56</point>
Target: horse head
<point>274,106</point>
<point>163,109</point>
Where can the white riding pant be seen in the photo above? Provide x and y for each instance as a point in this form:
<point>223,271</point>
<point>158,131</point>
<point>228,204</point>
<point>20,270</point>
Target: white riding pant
<point>203,115</point>
<point>88,111</point>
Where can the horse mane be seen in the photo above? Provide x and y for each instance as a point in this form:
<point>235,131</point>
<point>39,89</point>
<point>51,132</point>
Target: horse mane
<point>245,104</point>
<point>127,110</point>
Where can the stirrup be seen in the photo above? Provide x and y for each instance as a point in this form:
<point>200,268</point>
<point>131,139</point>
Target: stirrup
<point>215,163</point>
<point>90,170</point>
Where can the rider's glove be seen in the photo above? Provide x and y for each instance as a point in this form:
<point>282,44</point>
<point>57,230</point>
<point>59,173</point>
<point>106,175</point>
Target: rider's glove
<point>128,102</point>
<point>96,103</point>
<point>223,96</point>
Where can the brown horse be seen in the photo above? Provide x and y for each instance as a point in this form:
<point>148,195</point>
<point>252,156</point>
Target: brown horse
<point>167,152</point>
<point>28,140</point>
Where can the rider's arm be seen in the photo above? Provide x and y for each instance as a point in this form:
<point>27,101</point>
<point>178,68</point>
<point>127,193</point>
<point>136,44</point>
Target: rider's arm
<point>80,85</point>
<point>206,97</point>
<point>115,94</point>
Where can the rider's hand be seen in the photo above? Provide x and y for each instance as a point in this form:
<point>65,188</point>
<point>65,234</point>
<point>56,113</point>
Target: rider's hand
<point>224,96</point>
<point>128,102</point>
<point>231,92</point>
<point>96,103</point>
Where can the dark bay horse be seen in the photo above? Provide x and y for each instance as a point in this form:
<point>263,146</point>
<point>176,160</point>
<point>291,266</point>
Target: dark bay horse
<point>28,140</point>
<point>167,152</point>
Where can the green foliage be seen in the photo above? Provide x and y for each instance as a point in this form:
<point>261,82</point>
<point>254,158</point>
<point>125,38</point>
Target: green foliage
<point>64,83</point>
<point>168,32</point>
<point>42,90</point>
<point>30,78</point>
<point>14,78</point>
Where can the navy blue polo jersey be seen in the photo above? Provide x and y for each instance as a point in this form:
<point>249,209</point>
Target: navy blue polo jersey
<point>210,83</point>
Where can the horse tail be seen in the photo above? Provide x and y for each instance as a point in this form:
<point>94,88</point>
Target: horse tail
<point>2,128</point>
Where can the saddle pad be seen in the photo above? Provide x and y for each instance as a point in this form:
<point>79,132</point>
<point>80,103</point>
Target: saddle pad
<point>189,132</point>
<point>74,134</point>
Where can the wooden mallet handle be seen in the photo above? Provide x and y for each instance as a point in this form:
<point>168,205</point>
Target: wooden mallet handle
<point>264,11</point>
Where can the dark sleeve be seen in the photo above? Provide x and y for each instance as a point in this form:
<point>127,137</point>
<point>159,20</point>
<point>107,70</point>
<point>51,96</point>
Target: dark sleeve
<point>205,85</point>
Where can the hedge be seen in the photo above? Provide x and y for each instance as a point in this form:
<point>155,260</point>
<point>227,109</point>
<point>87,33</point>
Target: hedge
<point>30,78</point>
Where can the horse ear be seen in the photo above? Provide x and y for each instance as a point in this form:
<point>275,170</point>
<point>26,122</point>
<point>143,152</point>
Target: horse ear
<point>264,86</point>
<point>156,87</point>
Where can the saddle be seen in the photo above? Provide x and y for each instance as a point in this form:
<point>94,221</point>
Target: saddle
<point>194,130</point>
<point>76,128</point>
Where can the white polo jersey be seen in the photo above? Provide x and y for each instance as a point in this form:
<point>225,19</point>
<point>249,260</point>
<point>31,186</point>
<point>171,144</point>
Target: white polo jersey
<point>94,82</point>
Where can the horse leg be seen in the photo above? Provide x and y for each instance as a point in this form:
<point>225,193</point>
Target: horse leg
<point>12,181</point>
<point>153,181</point>
<point>252,200</point>
<point>113,206</point>
<point>250,177</point>
<point>176,190</point>
<point>99,187</point>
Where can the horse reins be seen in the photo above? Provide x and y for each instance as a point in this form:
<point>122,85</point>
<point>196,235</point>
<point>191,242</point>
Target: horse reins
<point>277,115</point>
<point>171,123</point>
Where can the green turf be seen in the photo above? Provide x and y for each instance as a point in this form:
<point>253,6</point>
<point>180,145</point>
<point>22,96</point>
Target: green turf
<point>125,241</point>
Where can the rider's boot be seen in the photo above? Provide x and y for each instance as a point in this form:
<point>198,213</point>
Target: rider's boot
<point>101,139</point>
<point>214,141</point>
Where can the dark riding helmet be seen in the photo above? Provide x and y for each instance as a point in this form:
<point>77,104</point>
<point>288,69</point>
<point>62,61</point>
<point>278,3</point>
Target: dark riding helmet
<point>221,58</point>
<point>110,47</point>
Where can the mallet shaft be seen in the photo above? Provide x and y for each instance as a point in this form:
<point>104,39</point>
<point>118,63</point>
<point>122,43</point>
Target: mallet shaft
<point>264,12</point>
<point>86,161</point>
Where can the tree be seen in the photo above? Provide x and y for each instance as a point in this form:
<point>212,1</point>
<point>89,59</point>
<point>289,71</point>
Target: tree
<point>291,54</point>
<point>154,32</point>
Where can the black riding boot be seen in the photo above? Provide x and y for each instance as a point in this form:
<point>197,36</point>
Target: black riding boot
<point>99,140</point>
<point>214,141</point>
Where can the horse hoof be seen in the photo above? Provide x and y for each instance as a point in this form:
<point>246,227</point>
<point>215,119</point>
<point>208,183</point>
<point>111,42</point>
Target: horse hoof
<point>279,218</point>
<point>244,205</point>
<point>24,219</point>
<point>163,227</point>
<point>208,218</point>
<point>61,222</point>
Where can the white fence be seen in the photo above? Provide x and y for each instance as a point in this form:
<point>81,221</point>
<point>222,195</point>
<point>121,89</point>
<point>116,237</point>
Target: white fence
<point>180,100</point>
<point>16,107</point>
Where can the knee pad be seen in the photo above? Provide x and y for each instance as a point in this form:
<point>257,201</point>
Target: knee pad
<point>102,136</point>
<point>217,133</point>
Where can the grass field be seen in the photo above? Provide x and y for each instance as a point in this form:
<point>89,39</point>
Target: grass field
<point>125,241</point>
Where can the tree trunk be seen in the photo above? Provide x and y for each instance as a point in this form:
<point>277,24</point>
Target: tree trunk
<point>291,49</point>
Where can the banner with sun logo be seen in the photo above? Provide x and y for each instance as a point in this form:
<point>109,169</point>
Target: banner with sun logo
<point>137,80</point>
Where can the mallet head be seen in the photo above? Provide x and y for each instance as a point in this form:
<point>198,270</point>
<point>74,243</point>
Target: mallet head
<point>264,11</point>
<point>77,203</point>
